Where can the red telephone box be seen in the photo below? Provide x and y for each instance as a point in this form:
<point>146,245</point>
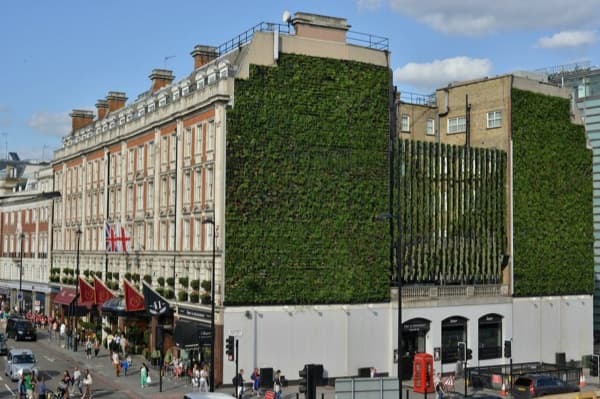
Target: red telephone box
<point>423,373</point>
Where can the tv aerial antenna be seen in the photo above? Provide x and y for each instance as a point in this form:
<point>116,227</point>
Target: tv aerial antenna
<point>167,58</point>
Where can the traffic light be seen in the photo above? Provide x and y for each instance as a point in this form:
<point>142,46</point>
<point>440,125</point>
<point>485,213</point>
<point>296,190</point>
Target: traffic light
<point>469,354</point>
<point>594,365</point>
<point>230,349</point>
<point>303,383</point>
<point>460,353</point>
<point>507,349</point>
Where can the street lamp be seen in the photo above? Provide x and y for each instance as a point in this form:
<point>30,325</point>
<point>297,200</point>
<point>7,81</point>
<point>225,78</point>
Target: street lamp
<point>389,216</point>
<point>20,294</point>
<point>212,306</point>
<point>74,335</point>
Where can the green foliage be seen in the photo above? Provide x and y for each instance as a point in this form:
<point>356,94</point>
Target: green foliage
<point>109,275</point>
<point>184,281</point>
<point>194,296</point>
<point>98,274</point>
<point>182,296</point>
<point>128,276</point>
<point>86,273</point>
<point>553,231</point>
<point>206,285</point>
<point>171,282</point>
<point>116,275</point>
<point>307,169</point>
<point>195,284</point>
<point>148,278</point>
<point>161,281</point>
<point>135,277</point>
<point>452,201</point>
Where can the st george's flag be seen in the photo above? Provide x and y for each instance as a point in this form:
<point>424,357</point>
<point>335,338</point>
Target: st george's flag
<point>87,294</point>
<point>134,301</point>
<point>102,292</point>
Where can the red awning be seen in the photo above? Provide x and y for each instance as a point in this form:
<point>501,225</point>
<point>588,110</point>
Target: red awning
<point>65,296</point>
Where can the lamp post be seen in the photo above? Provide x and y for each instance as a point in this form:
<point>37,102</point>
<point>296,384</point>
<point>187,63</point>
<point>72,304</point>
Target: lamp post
<point>390,217</point>
<point>212,306</point>
<point>74,334</point>
<point>20,294</point>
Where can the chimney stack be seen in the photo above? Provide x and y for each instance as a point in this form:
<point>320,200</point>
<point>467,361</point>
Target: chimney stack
<point>102,108</point>
<point>116,100</point>
<point>320,27</point>
<point>160,78</point>
<point>80,118</point>
<point>203,55</point>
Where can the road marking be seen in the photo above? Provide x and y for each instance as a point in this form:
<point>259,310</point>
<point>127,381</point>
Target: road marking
<point>50,359</point>
<point>9,390</point>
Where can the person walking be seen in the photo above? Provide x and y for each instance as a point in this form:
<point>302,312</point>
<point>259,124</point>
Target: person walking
<point>144,375</point>
<point>41,389</point>
<point>238,382</point>
<point>87,385</point>
<point>204,387</point>
<point>116,363</point>
<point>88,348</point>
<point>255,377</point>
<point>77,380</point>
<point>278,384</point>
<point>96,347</point>
<point>439,387</point>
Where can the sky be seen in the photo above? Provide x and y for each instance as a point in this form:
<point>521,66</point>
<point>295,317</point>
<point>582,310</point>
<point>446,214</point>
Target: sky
<point>56,56</point>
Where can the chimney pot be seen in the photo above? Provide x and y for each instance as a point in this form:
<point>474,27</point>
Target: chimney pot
<point>80,118</point>
<point>203,54</point>
<point>102,108</point>
<point>160,78</point>
<point>116,100</point>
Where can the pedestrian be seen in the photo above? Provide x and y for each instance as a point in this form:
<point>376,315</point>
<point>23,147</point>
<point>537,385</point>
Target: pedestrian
<point>144,375</point>
<point>96,347</point>
<point>439,387</point>
<point>28,382</point>
<point>255,377</point>
<point>88,348</point>
<point>64,384</point>
<point>238,382</point>
<point>77,380</point>
<point>69,334</point>
<point>278,384</point>
<point>87,385</point>
<point>116,363</point>
<point>41,388</point>
<point>125,366</point>
<point>22,392</point>
<point>204,387</point>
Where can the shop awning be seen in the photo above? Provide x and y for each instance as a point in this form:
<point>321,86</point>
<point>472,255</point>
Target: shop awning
<point>65,296</point>
<point>116,306</point>
<point>189,334</point>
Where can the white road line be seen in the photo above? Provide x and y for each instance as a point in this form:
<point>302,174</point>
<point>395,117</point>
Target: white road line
<point>50,359</point>
<point>9,390</point>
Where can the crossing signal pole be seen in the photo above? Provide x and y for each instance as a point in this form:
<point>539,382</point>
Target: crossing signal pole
<point>308,381</point>
<point>594,366</point>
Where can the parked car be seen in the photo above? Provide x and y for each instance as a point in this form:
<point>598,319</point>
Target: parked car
<point>532,386</point>
<point>20,328</point>
<point>19,361</point>
<point>3,345</point>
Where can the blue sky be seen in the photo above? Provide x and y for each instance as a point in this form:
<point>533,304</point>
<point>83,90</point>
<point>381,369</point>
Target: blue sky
<point>56,56</point>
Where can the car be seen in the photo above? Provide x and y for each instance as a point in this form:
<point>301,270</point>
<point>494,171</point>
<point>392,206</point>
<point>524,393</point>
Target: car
<point>3,345</point>
<point>18,362</point>
<point>20,328</point>
<point>532,386</point>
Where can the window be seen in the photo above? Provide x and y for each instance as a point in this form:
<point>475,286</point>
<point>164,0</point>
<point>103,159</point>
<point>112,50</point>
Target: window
<point>164,153</point>
<point>129,198</point>
<point>173,144</point>
<point>198,187</point>
<point>185,90</point>
<point>162,101</point>
<point>490,337</point>
<point>150,196</point>
<point>131,160</point>
<point>140,159</point>
<point>171,243</point>
<point>151,155</point>
<point>163,236</point>
<point>405,123</point>
<point>186,235</point>
<point>163,193</point>
<point>175,94</point>
<point>211,136</point>
<point>494,119</point>
<point>430,127</point>
<point>188,188</point>
<point>199,133</point>
<point>457,125</point>
<point>140,111</point>
<point>139,197</point>
<point>149,236</point>
<point>454,330</point>
<point>187,142</point>
<point>151,107</point>
<point>172,190</point>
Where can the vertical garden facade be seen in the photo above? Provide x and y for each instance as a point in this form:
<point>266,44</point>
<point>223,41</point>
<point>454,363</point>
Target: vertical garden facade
<point>307,171</point>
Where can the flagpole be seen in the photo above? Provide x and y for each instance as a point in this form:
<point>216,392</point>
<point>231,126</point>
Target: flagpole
<point>74,333</point>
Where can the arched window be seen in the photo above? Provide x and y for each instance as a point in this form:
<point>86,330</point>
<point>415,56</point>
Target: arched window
<point>490,336</point>
<point>454,330</point>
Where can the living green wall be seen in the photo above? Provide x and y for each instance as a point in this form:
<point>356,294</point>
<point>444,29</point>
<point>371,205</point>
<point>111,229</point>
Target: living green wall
<point>452,207</point>
<point>307,170</point>
<point>552,172</point>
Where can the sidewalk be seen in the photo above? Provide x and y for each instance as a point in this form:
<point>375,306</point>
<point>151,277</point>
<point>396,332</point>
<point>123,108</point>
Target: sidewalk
<point>104,375</point>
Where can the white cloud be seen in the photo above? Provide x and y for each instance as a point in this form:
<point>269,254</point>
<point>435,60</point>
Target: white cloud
<point>58,124</point>
<point>431,75</point>
<point>574,38</point>
<point>479,17</point>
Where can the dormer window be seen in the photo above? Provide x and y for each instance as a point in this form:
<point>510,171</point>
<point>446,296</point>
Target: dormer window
<point>162,101</point>
<point>212,76</point>
<point>104,127</point>
<point>200,80</point>
<point>98,129</point>
<point>122,119</point>
<point>129,116</point>
<point>151,106</point>
<point>223,70</point>
<point>175,94</point>
<point>141,111</point>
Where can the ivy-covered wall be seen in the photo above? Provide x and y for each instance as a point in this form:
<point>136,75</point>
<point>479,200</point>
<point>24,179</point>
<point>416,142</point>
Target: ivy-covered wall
<point>307,170</point>
<point>552,172</point>
<point>452,207</point>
